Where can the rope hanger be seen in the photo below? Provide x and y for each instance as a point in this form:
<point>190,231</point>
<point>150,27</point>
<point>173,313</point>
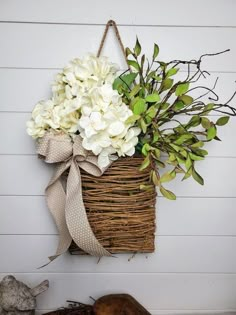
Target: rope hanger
<point>113,24</point>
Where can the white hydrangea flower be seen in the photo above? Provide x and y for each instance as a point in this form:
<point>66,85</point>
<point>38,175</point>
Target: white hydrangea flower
<point>65,118</point>
<point>81,75</point>
<point>126,145</point>
<point>106,156</point>
<point>96,143</point>
<point>92,124</point>
<point>34,130</point>
<point>85,103</point>
<point>41,119</point>
<point>48,115</point>
<point>103,125</point>
<point>42,112</point>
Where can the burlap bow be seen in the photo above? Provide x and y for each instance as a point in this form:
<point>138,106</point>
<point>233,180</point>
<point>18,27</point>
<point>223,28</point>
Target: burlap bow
<point>66,205</point>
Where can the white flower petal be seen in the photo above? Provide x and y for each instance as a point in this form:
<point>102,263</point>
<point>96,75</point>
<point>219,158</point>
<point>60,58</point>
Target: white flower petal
<point>103,160</point>
<point>116,128</point>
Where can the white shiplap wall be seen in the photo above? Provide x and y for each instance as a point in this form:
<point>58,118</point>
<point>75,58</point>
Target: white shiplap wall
<point>194,267</point>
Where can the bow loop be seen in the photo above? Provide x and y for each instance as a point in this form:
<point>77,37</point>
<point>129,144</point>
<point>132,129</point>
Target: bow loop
<point>78,150</point>
<point>55,148</point>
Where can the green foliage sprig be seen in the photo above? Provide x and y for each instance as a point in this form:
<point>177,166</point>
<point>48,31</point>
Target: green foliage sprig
<point>158,102</point>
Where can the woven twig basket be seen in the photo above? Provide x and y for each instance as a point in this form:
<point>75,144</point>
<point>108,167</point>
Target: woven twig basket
<point>121,215</point>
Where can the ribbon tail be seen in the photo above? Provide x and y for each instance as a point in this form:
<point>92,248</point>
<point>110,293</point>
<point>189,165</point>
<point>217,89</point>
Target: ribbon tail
<point>56,201</point>
<point>76,217</point>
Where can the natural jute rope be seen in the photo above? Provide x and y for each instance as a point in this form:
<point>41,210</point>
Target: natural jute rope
<point>112,23</point>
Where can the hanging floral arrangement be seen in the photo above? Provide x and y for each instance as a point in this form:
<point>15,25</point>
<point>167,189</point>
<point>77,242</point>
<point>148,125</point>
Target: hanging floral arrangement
<point>98,116</point>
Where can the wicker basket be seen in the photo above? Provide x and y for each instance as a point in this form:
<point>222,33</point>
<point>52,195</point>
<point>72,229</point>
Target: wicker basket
<point>121,215</point>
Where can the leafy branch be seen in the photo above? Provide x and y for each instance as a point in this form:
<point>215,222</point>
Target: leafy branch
<point>157,99</point>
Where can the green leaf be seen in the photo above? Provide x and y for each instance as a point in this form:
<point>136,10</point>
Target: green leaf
<point>146,147</point>
<point>175,147</point>
<point>137,48</point>
<point>143,125</point>
<point>179,169</point>
<point>188,174</point>
<point>128,52</point>
<point>153,75</point>
<point>186,99</point>
<point>181,89</point>
<point>151,112</point>
<point>152,98</point>
<point>178,105</point>
<point>211,133</point>
<point>198,144</point>
<point>156,77</point>
<point>140,107</point>
<point>164,106</point>
<point>160,164</point>
<point>166,84</point>
<point>200,152</point>
<point>167,177</point>
<point>172,157</point>
<point>142,62</point>
<point>197,177</point>
<point>180,161</point>
<point>188,163</point>
<point>146,187</point>
<point>163,65</point>
<point>124,81</point>
<point>183,138</point>
<point>135,90</point>
<point>184,153</point>
<point>179,129</point>
<point>208,108</point>
<point>145,164</point>
<point>116,84</point>
<point>167,193</point>
<point>194,121</point>
<point>129,78</point>
<point>155,179</point>
<point>195,157</point>
<point>205,122</point>
<point>157,153</point>
<point>132,119</point>
<point>156,136</point>
<point>155,51</point>
<point>171,72</point>
<point>222,121</point>
<point>133,64</point>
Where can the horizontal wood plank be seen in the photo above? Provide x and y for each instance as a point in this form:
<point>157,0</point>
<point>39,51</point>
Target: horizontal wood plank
<point>174,254</point>
<point>152,13</point>
<point>26,175</point>
<point>30,86</point>
<point>33,85</point>
<point>154,291</point>
<point>23,41</point>
<point>13,128</point>
<point>186,216</point>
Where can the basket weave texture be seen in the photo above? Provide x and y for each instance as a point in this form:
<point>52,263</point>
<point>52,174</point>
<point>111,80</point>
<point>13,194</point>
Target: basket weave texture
<point>121,215</point>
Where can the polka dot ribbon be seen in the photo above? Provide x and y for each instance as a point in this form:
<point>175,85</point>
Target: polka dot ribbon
<point>66,203</point>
